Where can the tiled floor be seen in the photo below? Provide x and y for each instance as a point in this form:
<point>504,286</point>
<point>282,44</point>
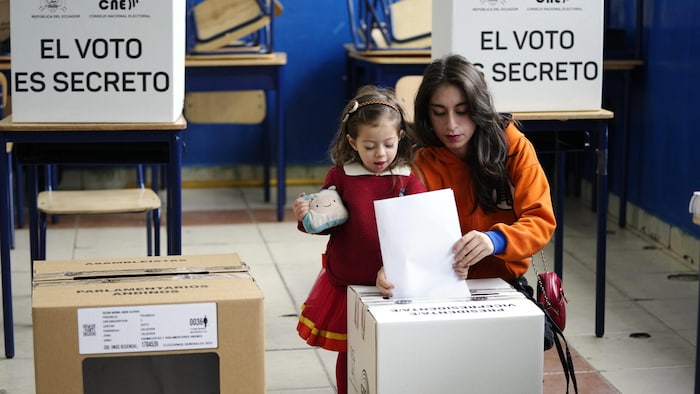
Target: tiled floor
<point>641,299</point>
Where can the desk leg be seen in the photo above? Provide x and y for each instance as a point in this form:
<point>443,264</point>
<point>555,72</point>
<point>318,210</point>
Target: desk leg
<point>268,139</point>
<point>602,206</point>
<point>697,354</point>
<point>8,324</point>
<point>281,149</point>
<point>559,213</point>
<point>35,239</point>
<point>351,77</point>
<point>174,188</point>
<point>625,146</point>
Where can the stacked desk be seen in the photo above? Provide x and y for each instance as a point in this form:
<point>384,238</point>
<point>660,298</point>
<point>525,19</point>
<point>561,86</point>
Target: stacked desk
<point>216,73</point>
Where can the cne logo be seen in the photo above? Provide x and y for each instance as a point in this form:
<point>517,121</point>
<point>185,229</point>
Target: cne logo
<point>52,5</point>
<point>117,5</point>
<point>493,2</point>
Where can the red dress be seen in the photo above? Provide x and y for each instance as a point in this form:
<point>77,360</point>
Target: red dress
<point>353,255</point>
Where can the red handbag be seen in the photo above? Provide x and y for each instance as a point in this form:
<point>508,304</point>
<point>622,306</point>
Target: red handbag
<point>550,293</point>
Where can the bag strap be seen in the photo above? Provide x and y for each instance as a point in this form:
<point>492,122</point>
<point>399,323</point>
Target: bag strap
<point>540,285</point>
<point>566,360</point>
<point>567,363</point>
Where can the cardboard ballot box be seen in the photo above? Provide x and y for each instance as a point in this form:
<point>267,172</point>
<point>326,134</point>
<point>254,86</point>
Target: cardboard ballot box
<point>491,342</point>
<point>172,324</point>
<point>98,61</point>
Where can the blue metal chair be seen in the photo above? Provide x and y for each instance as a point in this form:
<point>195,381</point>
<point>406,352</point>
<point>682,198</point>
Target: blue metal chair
<point>239,26</point>
<point>140,199</point>
<point>390,24</point>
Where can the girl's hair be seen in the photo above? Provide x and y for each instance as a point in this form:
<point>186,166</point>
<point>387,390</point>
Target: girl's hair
<point>487,150</point>
<point>368,107</point>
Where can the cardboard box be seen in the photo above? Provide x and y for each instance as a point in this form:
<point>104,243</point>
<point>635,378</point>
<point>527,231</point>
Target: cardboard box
<point>98,61</point>
<point>536,56</point>
<point>175,324</point>
<point>489,343</point>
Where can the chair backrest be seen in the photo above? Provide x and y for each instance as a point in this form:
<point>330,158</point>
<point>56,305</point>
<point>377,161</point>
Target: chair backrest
<point>232,26</point>
<point>236,107</point>
<point>390,24</point>
<point>406,89</point>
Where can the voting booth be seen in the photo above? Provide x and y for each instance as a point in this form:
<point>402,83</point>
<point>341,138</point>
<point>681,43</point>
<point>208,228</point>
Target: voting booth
<point>488,342</point>
<point>536,56</point>
<point>97,61</point>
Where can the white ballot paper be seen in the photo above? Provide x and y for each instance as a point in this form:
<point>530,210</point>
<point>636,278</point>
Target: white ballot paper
<point>416,235</point>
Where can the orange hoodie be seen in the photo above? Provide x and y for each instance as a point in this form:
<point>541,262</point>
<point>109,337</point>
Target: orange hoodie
<point>438,168</point>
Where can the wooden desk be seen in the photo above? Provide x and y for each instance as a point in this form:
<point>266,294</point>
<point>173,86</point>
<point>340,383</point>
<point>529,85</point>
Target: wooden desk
<point>567,122</point>
<point>626,67</point>
<point>84,143</point>
<point>211,73</point>
<point>579,121</point>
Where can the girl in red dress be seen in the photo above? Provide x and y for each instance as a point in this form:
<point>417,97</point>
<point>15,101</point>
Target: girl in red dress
<point>372,153</point>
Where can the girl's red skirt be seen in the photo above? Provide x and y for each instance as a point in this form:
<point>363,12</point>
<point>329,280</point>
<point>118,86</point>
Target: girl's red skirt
<point>323,319</point>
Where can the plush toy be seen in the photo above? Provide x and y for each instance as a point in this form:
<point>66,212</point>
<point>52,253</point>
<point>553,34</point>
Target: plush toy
<point>326,210</point>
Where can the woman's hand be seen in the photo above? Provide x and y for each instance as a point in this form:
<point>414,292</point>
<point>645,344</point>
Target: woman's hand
<point>300,207</point>
<point>469,250</point>
<point>383,285</point>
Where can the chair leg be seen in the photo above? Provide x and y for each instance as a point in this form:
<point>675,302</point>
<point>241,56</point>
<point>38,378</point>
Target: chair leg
<point>41,255</point>
<point>19,192</point>
<point>149,234</point>
<point>10,196</point>
<point>156,230</point>
<point>52,184</point>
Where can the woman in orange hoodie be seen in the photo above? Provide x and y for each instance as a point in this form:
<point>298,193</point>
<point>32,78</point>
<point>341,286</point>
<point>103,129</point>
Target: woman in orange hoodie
<point>502,193</point>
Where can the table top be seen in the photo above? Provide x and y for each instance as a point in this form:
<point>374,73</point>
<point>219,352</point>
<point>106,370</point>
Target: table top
<point>8,125</point>
<point>223,60</point>
<point>239,59</point>
<point>564,115</point>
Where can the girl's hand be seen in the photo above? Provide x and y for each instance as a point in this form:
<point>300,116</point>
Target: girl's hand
<point>383,285</point>
<point>469,250</point>
<point>300,207</point>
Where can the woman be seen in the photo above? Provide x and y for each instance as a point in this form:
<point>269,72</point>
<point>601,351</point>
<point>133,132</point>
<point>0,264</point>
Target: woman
<point>502,193</point>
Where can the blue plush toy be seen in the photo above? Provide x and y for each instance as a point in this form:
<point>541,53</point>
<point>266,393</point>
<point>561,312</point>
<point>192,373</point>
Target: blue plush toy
<point>326,210</point>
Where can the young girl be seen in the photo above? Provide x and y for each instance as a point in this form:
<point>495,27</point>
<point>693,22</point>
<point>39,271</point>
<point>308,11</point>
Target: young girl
<point>371,153</point>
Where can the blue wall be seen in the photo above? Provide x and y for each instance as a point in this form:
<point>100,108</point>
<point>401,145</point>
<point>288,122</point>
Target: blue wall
<point>312,33</point>
<point>664,146</point>
<point>664,141</point>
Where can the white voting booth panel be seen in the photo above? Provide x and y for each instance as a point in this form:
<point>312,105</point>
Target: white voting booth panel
<point>445,346</point>
<point>97,61</point>
<point>535,55</point>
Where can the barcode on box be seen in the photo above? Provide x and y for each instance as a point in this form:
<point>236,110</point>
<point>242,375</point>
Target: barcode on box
<point>89,330</point>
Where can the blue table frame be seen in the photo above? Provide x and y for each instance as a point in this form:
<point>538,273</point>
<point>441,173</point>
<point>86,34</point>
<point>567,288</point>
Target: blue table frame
<point>568,122</point>
<point>385,68</point>
<point>89,143</point>
<point>212,73</point>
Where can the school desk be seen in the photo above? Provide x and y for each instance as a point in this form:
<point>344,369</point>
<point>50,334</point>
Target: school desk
<point>37,144</point>
<point>215,73</point>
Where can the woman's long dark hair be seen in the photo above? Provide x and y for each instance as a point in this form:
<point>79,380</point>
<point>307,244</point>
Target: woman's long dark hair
<point>487,150</point>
